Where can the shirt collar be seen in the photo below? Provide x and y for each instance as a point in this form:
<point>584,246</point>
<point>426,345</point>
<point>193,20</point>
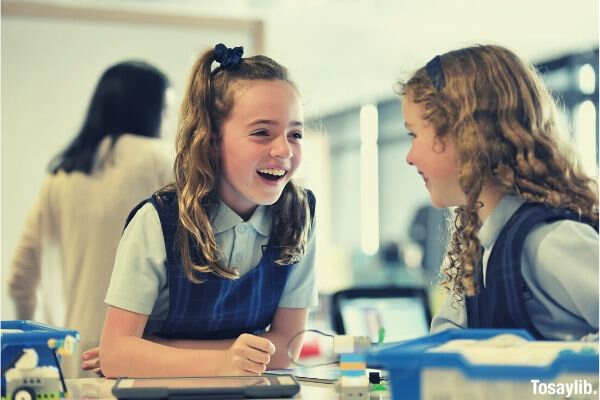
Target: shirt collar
<point>491,227</point>
<point>261,220</point>
<point>225,218</point>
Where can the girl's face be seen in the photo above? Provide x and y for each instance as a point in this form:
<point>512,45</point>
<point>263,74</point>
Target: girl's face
<point>260,144</point>
<point>436,161</point>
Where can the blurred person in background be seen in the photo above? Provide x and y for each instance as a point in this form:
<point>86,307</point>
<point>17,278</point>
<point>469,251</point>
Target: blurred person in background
<point>63,262</point>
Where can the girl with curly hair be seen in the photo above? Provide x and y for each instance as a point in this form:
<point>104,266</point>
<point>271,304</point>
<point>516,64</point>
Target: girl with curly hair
<point>214,273</point>
<point>524,248</point>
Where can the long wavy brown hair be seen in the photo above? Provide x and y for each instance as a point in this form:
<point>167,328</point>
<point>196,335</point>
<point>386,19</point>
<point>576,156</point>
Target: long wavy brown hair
<point>502,121</point>
<point>208,101</point>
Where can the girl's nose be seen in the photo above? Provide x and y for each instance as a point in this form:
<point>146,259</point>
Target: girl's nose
<point>281,148</point>
<point>409,157</point>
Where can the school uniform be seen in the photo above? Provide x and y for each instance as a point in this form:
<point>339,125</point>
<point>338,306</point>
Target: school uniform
<point>557,280</point>
<point>218,308</point>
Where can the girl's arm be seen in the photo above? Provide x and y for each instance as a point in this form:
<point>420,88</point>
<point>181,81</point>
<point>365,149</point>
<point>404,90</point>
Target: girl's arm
<point>123,352</point>
<point>452,315</point>
<point>560,266</point>
<point>286,323</point>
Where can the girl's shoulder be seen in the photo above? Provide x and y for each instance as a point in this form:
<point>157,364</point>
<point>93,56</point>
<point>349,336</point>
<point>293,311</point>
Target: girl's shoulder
<point>563,230</point>
<point>561,258</point>
<point>166,196</point>
<point>161,201</point>
<point>548,232</point>
<point>564,239</point>
<point>532,214</point>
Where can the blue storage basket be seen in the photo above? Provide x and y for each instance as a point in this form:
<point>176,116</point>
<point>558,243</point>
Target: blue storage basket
<point>18,335</point>
<point>407,360</point>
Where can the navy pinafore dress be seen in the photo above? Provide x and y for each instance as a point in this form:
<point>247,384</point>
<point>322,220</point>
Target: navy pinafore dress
<point>501,303</point>
<point>217,308</point>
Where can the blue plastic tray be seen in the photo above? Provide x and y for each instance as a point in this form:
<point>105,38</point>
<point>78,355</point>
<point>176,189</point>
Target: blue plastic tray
<point>406,360</point>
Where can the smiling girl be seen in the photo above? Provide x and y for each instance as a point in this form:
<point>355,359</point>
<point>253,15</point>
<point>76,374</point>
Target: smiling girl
<point>214,273</point>
<point>524,250</point>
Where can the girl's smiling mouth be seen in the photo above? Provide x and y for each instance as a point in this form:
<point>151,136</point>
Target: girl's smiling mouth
<point>272,175</point>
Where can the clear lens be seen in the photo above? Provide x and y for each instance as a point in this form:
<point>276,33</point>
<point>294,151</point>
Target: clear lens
<point>316,349</point>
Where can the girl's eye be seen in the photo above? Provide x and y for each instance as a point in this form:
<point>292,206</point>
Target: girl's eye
<point>259,133</point>
<point>297,135</point>
<point>412,135</point>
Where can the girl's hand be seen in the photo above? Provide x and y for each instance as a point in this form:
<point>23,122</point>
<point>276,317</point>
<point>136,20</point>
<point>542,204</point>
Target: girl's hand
<point>248,355</point>
<point>91,360</point>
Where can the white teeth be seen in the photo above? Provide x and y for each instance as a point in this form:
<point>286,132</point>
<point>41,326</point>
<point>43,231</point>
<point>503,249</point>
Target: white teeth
<point>272,171</point>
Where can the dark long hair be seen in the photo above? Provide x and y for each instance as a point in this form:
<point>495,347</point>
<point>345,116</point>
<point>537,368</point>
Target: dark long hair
<point>129,98</point>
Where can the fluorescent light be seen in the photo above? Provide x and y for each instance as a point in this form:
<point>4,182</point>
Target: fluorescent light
<point>586,78</point>
<point>369,180</point>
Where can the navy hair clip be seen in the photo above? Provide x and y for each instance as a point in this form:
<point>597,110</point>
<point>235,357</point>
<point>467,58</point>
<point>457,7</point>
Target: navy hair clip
<point>227,57</point>
<point>436,73</point>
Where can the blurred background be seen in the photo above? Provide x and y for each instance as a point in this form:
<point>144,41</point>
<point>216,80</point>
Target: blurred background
<point>375,225</point>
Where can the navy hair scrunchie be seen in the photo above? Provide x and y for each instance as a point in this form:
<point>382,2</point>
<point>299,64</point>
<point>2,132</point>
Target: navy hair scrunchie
<point>228,58</point>
<point>436,73</point>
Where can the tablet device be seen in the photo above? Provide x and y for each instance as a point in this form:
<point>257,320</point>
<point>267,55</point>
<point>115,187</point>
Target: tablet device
<point>221,387</point>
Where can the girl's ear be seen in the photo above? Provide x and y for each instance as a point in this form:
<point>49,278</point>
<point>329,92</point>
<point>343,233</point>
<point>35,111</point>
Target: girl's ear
<point>439,144</point>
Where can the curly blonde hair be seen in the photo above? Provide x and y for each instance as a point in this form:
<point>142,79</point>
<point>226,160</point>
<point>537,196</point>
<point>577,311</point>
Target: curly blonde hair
<point>502,121</point>
<point>208,101</point>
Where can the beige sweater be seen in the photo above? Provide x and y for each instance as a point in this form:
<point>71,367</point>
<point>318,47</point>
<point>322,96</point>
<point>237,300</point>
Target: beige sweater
<point>64,259</point>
